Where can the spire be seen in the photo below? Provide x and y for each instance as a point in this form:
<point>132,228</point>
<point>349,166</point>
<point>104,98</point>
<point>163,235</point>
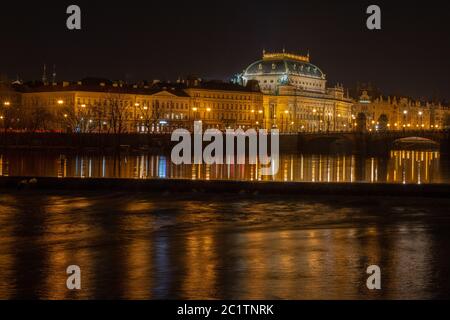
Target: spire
<point>44,75</point>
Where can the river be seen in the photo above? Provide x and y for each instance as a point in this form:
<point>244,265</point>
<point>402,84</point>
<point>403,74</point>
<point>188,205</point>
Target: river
<point>135,245</point>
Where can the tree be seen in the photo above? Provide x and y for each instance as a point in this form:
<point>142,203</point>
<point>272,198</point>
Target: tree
<point>382,122</point>
<point>40,118</point>
<point>145,117</point>
<point>116,111</point>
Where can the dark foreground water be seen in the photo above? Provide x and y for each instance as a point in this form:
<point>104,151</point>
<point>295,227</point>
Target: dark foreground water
<point>198,246</point>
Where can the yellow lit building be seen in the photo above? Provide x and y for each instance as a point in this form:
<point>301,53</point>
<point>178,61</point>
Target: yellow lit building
<point>226,105</point>
<point>103,107</point>
<point>296,98</point>
<point>392,113</point>
<point>117,108</point>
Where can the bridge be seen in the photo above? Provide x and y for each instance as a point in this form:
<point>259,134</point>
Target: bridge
<point>370,142</point>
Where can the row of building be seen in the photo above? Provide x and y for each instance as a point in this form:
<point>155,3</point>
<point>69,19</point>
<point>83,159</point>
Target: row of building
<point>281,90</point>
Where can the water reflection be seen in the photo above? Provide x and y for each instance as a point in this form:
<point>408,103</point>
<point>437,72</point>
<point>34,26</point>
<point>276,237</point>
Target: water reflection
<point>400,167</point>
<point>227,247</point>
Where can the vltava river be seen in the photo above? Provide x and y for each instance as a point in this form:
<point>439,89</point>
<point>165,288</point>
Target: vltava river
<point>135,245</point>
<point>141,246</point>
<point>399,167</point>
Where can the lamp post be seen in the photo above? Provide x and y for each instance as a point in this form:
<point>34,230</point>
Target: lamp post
<point>261,112</point>
<point>194,110</point>
<point>6,104</point>
<point>254,117</point>
<point>285,120</point>
<point>315,120</point>
<point>420,119</point>
<point>207,115</point>
<point>405,112</point>
<point>136,105</point>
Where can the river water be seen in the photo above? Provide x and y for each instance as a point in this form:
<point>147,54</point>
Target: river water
<point>196,246</point>
<point>399,167</point>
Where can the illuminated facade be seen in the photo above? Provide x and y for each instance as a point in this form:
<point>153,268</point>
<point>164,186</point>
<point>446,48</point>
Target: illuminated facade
<point>391,113</point>
<point>296,98</point>
<point>223,106</point>
<point>118,108</point>
<point>113,108</point>
<point>281,90</point>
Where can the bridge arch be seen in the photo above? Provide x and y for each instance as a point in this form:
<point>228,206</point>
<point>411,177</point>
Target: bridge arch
<point>415,143</point>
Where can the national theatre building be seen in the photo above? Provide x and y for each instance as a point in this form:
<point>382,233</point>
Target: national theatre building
<point>296,96</point>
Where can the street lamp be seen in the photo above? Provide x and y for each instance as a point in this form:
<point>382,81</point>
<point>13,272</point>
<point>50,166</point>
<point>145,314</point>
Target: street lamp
<point>420,118</point>
<point>60,102</point>
<point>405,112</point>
<point>285,120</point>
<point>314,115</point>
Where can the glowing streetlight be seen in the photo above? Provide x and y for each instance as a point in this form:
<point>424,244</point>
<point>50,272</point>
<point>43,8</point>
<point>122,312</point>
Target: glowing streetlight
<point>60,102</point>
<point>65,115</point>
<point>405,111</point>
<point>83,105</point>
<point>7,103</point>
<point>194,109</point>
<point>260,111</point>
<point>208,109</point>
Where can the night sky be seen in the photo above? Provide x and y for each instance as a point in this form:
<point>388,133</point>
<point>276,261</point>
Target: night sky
<point>136,40</point>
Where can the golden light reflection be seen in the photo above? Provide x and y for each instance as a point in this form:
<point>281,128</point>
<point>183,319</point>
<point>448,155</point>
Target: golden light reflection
<point>399,167</point>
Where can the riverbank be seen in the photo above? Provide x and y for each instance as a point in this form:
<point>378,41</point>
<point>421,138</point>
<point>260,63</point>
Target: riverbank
<point>227,186</point>
<point>379,143</point>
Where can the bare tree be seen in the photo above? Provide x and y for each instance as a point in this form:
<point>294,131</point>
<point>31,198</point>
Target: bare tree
<point>40,118</point>
<point>145,117</point>
<point>116,111</point>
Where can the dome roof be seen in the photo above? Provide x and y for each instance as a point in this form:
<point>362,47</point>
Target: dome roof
<point>284,63</point>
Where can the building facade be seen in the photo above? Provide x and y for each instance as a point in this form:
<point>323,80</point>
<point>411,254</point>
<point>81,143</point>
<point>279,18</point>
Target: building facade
<point>296,96</point>
<point>282,90</point>
<point>119,108</point>
<point>392,113</point>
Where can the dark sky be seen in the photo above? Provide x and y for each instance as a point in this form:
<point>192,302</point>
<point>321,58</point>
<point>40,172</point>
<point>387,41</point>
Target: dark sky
<point>135,40</point>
